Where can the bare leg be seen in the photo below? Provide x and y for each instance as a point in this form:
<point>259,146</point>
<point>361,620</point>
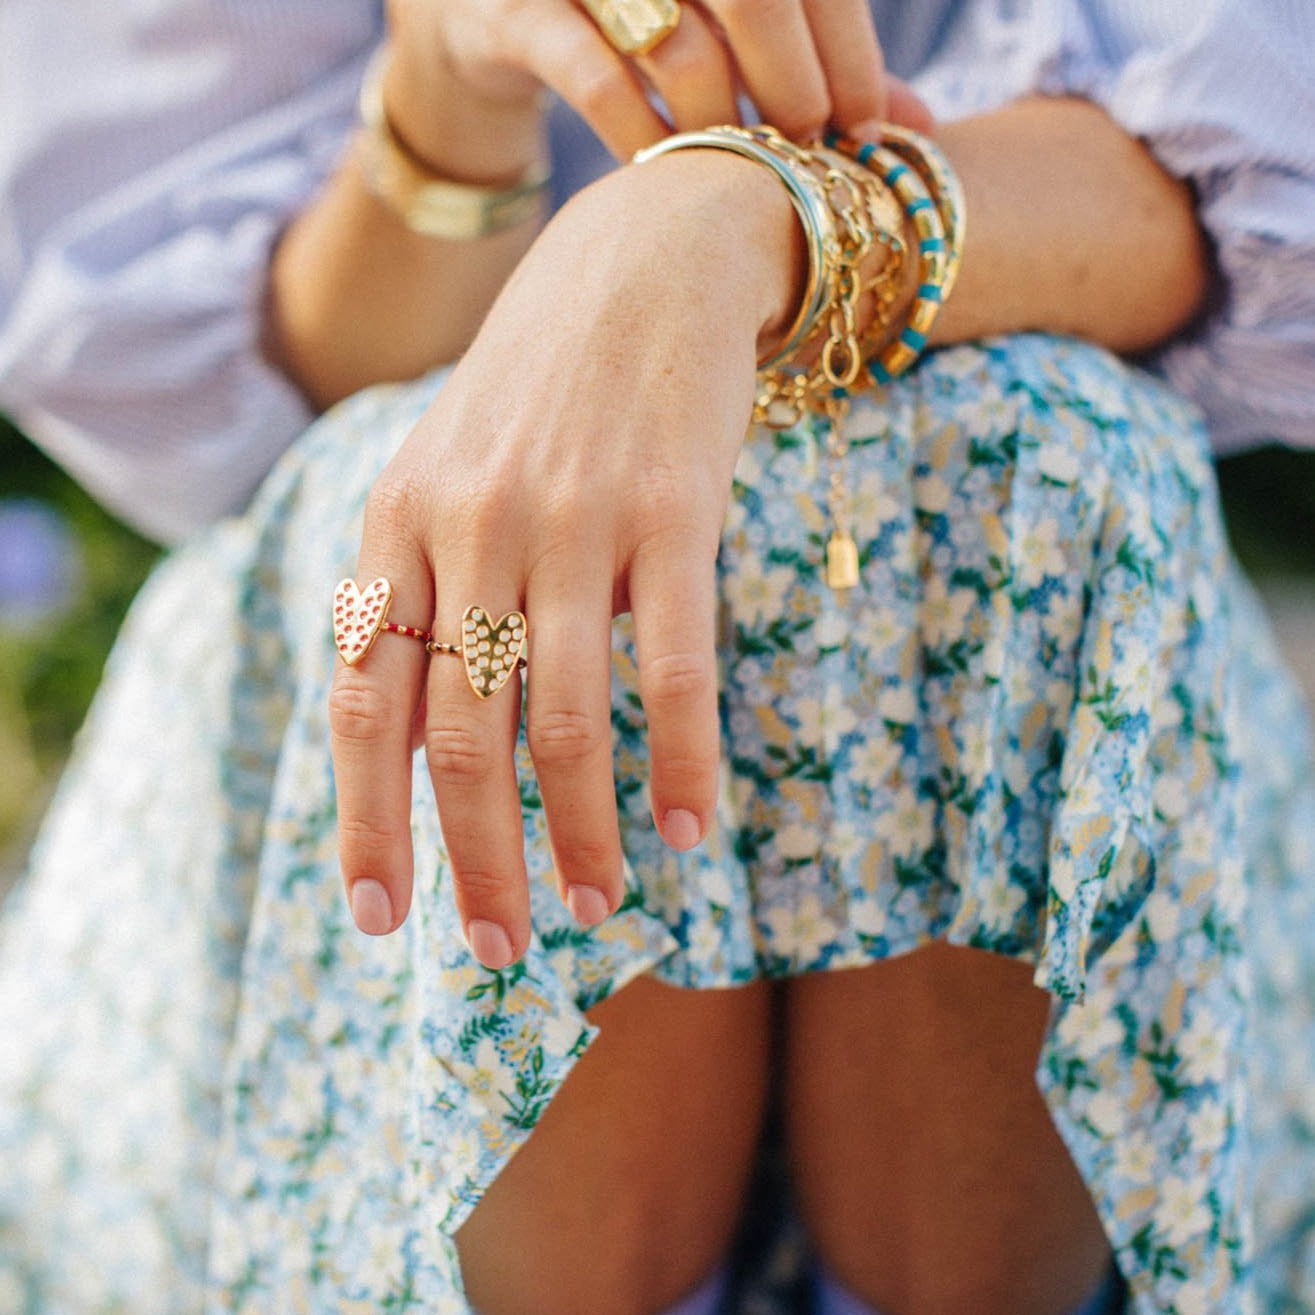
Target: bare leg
<point>628,1192</point>
<point>930,1175</point>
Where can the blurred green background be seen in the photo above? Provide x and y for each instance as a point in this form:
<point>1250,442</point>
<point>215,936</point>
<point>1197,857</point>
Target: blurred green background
<point>68,571</point>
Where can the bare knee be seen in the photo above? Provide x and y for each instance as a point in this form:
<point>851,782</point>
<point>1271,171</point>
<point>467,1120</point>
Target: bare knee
<point>627,1193</point>
<point>928,1170</point>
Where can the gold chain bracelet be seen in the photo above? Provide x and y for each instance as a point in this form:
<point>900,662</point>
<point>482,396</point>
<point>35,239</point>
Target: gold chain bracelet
<point>868,218</point>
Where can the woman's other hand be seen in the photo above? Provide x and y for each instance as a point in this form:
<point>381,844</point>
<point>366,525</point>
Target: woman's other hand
<point>803,63</point>
<point>577,464</point>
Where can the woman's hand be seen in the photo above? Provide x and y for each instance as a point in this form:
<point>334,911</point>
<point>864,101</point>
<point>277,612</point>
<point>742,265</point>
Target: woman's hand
<point>803,63</point>
<point>577,464</point>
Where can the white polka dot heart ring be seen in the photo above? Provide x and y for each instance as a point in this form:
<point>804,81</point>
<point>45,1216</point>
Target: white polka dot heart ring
<point>491,649</point>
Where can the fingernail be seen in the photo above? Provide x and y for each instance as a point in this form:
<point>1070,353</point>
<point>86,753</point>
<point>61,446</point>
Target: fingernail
<point>588,905</point>
<point>489,943</point>
<point>372,910</point>
<point>867,132</point>
<point>680,829</point>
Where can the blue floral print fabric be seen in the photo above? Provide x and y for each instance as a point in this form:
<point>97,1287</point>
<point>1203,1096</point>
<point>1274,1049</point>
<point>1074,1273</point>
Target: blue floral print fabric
<point>1048,723</point>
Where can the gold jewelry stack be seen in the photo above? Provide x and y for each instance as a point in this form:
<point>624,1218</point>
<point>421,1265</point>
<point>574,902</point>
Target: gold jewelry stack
<point>855,202</point>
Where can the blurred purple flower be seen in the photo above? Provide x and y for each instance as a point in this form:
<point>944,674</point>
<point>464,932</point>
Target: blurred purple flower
<point>40,564</point>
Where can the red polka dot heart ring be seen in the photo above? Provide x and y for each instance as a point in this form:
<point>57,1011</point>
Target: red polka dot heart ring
<point>360,616</point>
<point>490,650</point>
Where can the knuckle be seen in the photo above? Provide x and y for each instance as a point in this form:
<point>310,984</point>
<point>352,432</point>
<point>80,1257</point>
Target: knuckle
<point>688,771</point>
<point>851,106</point>
<point>666,505</point>
<point>739,15</point>
<point>670,678</point>
<point>397,502</point>
<point>600,87</point>
<point>486,508</point>
<point>358,712</point>
<point>456,753</point>
<point>365,837</point>
<point>806,112</point>
<point>481,888</point>
<point>658,488</point>
<point>564,735</point>
<point>591,858</point>
<point>686,64</point>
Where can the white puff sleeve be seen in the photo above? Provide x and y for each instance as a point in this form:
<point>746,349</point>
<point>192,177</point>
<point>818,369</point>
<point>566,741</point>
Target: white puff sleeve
<point>1223,92</point>
<point>150,154</point>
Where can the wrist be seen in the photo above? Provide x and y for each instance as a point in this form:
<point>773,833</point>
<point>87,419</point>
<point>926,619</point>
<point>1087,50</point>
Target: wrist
<point>456,132</point>
<point>736,228</point>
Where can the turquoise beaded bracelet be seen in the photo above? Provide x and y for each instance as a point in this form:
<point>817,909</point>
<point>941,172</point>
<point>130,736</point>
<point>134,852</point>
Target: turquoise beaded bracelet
<point>943,183</point>
<point>929,192</point>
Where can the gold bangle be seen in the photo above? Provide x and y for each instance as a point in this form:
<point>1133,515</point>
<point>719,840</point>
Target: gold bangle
<point>828,360</point>
<point>425,203</point>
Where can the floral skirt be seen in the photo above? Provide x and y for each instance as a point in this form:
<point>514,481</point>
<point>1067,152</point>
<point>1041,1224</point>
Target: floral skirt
<point>1049,722</point>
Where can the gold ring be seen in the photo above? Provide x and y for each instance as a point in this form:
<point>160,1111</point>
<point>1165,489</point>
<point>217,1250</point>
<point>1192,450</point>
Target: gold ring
<point>491,650</point>
<point>634,27</point>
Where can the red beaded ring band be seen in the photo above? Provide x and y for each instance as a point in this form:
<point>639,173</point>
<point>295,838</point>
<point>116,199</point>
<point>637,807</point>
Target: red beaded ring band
<point>491,650</point>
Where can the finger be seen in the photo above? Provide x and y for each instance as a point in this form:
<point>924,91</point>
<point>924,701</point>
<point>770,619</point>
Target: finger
<point>778,62</point>
<point>560,45</point>
<point>569,728</point>
<point>673,601</point>
<point>371,709</point>
<point>693,73</point>
<point>904,107</point>
<point>852,62</point>
<point>470,746</point>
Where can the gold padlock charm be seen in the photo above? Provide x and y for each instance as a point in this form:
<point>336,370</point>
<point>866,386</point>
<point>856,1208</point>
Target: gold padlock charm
<point>841,560</point>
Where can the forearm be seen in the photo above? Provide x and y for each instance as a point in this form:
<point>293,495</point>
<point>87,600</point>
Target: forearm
<point>1073,227</point>
<point>356,297</point>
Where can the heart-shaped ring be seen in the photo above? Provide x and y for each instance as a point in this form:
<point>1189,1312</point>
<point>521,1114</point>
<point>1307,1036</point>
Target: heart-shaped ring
<point>360,616</point>
<point>490,650</point>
